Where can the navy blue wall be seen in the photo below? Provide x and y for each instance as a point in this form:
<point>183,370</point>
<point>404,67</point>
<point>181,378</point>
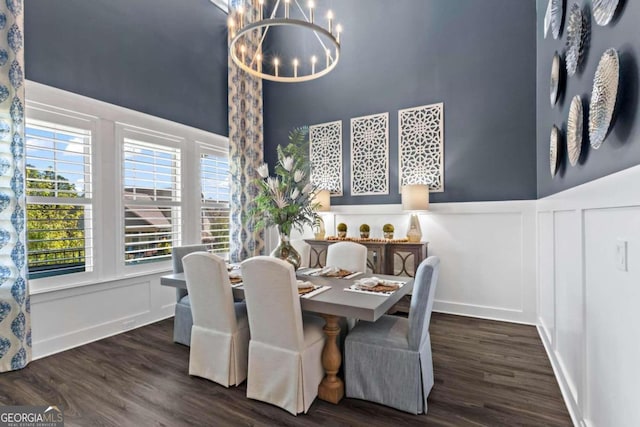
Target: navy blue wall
<point>621,149</point>
<point>478,57</point>
<point>167,58</point>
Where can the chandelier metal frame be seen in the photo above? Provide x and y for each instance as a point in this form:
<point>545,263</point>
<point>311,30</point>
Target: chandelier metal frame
<point>239,54</point>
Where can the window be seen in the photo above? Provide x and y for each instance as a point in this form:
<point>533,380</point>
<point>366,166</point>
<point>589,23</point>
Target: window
<point>59,199</point>
<point>214,209</point>
<point>151,194</point>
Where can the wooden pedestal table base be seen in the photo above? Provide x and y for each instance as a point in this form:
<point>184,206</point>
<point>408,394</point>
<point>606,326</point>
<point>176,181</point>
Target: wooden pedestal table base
<point>331,388</point>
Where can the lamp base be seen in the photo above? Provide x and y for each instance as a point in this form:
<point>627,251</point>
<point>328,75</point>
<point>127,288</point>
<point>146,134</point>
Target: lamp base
<point>415,232</point>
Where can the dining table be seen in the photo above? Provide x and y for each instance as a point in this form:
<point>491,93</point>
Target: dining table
<point>332,304</point>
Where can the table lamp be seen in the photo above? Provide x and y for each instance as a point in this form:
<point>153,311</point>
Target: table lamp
<point>415,198</point>
<point>323,200</point>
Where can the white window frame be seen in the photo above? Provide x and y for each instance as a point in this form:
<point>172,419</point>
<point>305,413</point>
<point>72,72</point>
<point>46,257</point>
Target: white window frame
<point>107,121</point>
<point>53,115</point>
<point>124,132</point>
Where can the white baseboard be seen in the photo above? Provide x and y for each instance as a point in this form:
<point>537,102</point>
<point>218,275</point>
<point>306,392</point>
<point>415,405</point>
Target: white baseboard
<point>572,407</point>
<point>88,335</point>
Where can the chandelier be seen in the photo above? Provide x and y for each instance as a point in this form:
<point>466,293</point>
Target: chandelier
<point>249,23</point>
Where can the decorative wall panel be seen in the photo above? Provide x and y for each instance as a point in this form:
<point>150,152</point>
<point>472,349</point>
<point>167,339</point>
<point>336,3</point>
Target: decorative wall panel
<point>421,146</point>
<point>325,153</point>
<point>370,155</point>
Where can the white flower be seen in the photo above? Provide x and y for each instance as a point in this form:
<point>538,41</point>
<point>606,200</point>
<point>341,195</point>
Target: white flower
<point>273,184</point>
<point>263,170</point>
<point>295,193</point>
<point>298,176</point>
<point>280,201</point>
<point>287,163</point>
<point>307,188</point>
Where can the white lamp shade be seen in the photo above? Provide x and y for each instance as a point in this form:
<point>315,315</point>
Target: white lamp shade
<point>323,198</point>
<point>415,197</point>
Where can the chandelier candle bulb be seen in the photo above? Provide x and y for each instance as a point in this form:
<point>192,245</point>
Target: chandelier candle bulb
<point>261,9</point>
<point>259,62</point>
<point>311,6</point>
<point>328,57</point>
<point>330,18</point>
<point>295,67</point>
<point>243,51</point>
<point>232,26</point>
<point>287,4</point>
<point>314,59</point>
<point>338,31</point>
<point>276,62</point>
<point>241,16</point>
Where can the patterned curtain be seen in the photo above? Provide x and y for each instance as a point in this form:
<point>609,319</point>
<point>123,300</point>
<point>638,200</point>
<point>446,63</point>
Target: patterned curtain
<point>245,154</point>
<point>15,318</point>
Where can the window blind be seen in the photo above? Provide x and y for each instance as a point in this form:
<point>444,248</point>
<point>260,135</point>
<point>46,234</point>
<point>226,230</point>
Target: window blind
<point>152,195</point>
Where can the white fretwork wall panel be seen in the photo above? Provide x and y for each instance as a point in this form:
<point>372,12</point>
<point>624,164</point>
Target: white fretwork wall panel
<point>421,146</point>
<point>370,155</point>
<point>325,154</point>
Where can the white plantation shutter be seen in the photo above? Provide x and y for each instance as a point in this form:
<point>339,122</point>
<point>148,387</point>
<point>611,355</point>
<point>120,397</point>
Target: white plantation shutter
<point>214,182</point>
<point>59,199</point>
<point>152,196</point>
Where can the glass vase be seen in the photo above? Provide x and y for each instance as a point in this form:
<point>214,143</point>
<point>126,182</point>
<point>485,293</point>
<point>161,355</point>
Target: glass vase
<point>284,250</point>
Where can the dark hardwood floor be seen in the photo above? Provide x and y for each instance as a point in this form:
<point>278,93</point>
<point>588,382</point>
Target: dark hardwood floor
<point>487,374</point>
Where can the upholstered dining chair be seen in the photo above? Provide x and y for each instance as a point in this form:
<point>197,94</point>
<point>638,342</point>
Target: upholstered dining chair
<point>389,361</point>
<point>348,256</point>
<point>285,367</point>
<point>220,332</point>
<point>352,257</point>
<point>304,250</point>
<point>183,320</point>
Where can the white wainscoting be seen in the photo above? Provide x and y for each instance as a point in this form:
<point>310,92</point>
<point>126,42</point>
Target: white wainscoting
<point>487,252</point>
<point>589,310</point>
<point>72,317</point>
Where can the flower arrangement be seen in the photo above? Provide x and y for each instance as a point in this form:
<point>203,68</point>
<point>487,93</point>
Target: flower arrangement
<point>285,200</point>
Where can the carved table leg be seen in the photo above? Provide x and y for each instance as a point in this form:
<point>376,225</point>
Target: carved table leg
<point>331,388</point>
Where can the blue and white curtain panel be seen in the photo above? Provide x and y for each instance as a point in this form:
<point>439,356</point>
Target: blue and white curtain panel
<point>245,156</point>
<point>15,319</point>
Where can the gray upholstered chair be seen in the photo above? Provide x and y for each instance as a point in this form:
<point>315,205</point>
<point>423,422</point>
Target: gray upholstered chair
<point>389,361</point>
<point>183,321</point>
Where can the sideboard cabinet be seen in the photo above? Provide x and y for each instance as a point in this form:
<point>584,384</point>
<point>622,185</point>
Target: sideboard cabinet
<point>384,257</point>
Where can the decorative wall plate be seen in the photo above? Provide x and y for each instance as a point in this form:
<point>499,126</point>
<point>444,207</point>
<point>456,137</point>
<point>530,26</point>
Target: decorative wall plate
<point>554,145</point>
<point>603,11</point>
<point>603,97</point>
<point>575,31</point>
<point>555,79</point>
<point>547,19</point>
<point>574,130</point>
<point>557,13</point>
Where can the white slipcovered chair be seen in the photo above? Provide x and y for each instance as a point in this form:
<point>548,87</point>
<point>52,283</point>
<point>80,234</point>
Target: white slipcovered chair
<point>304,250</point>
<point>285,350</point>
<point>348,256</point>
<point>389,361</point>
<point>220,332</point>
<point>183,320</point>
